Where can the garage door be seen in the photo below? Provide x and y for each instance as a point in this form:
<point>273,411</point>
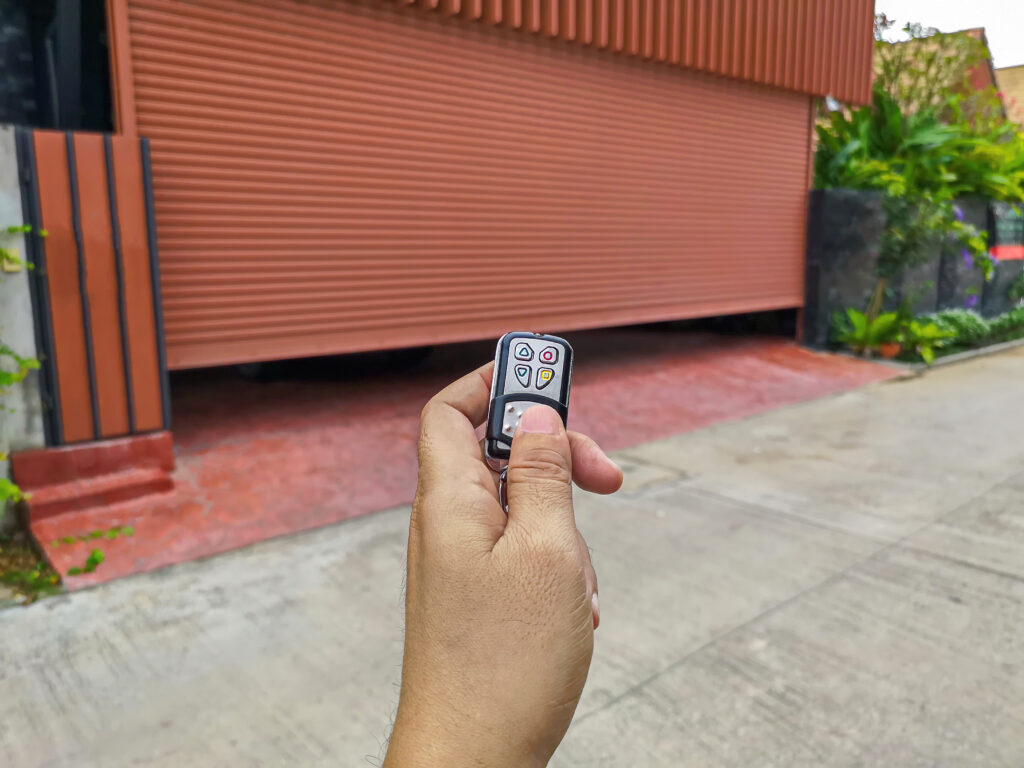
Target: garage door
<point>334,176</point>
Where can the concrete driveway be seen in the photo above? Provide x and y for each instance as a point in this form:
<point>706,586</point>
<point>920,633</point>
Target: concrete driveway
<point>837,583</point>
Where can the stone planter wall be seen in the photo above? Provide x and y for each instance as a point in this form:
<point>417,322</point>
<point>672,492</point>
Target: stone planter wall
<point>845,229</point>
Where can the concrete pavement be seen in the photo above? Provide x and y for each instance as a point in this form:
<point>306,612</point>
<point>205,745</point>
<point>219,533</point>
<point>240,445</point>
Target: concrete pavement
<point>837,583</point>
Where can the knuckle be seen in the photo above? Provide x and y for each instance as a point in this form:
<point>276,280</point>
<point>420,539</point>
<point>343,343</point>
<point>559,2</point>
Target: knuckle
<point>427,411</point>
<point>540,464</point>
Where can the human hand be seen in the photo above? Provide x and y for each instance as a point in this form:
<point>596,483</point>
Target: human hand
<point>500,611</point>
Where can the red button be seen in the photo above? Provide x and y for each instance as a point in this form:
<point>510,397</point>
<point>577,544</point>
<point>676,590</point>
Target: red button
<point>549,355</point>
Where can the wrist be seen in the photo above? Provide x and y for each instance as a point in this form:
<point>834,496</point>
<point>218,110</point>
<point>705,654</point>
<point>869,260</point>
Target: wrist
<point>425,743</point>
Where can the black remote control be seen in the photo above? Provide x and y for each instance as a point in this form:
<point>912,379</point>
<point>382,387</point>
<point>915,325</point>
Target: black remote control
<point>529,368</point>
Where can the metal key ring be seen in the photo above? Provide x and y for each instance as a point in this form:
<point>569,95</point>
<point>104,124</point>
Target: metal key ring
<point>503,490</point>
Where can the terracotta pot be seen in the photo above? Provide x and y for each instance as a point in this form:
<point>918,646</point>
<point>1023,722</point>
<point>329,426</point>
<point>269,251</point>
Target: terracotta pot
<point>889,350</point>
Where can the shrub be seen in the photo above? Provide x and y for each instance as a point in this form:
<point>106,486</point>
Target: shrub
<point>969,327</point>
<point>1008,325</point>
<point>927,139</point>
<point>972,330</point>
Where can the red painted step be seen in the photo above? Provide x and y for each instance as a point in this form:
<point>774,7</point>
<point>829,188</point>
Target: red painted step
<point>69,538</point>
<point>102,490</point>
<point>77,490</point>
<point>51,466</point>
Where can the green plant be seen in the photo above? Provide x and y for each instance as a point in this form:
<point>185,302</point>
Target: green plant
<point>9,259</point>
<point>1007,326</point>
<point>109,534</point>
<point>13,367</point>
<point>863,334</point>
<point>22,365</point>
<point>919,154</point>
<point>32,583</point>
<point>96,557</point>
<point>24,572</point>
<point>922,166</point>
<point>924,338</point>
<point>1016,290</point>
<point>927,139</point>
<point>9,492</point>
<point>929,66</point>
<point>967,327</point>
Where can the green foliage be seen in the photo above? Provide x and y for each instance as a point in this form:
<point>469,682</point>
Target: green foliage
<point>919,154</point>
<point>8,258</point>
<point>9,492</point>
<point>96,557</point>
<point>21,569</point>
<point>22,365</point>
<point>927,139</point>
<point>1016,291</point>
<point>863,334</point>
<point>1007,326</point>
<point>109,534</point>
<point>923,338</point>
<point>969,329</point>
<point>38,581</point>
<point>922,166</point>
<point>967,326</point>
<point>925,70</point>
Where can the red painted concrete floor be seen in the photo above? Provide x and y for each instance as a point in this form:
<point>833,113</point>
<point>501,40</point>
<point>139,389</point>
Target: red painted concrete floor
<point>330,440</point>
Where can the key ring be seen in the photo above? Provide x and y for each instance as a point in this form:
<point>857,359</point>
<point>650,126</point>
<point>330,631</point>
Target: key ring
<point>503,490</point>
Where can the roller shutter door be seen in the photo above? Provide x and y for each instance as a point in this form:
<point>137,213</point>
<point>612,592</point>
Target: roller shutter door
<point>334,176</point>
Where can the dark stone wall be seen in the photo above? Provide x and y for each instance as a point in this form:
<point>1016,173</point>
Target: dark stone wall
<point>845,229</point>
<point>17,76</point>
<point>957,277</point>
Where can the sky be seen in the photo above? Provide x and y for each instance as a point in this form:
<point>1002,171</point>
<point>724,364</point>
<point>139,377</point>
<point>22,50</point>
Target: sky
<point>1003,21</point>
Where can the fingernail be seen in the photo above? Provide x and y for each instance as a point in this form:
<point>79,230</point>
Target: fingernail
<point>597,610</point>
<point>541,419</point>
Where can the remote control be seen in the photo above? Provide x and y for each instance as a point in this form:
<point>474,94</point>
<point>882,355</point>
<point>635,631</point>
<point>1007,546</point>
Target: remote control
<point>529,368</point>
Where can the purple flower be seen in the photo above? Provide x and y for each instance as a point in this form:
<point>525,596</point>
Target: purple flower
<point>971,301</point>
<point>968,261</point>
<point>958,212</point>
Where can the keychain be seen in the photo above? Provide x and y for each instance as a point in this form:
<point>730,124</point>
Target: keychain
<point>529,369</point>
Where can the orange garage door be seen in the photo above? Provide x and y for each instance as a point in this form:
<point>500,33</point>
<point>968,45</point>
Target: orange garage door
<point>334,176</point>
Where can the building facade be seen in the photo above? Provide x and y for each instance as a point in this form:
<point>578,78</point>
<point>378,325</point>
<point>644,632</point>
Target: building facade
<point>315,177</point>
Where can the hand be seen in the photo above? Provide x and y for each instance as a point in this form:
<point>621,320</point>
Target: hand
<point>500,611</point>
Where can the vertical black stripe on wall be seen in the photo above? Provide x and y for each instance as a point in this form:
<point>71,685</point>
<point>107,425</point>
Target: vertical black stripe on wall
<point>39,289</point>
<point>154,275</point>
<point>122,309</point>
<point>76,224</point>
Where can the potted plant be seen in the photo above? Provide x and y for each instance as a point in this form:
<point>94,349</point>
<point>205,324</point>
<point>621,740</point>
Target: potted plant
<point>864,335</point>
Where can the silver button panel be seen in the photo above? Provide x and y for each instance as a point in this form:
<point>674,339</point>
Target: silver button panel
<point>513,413</point>
<point>546,368</point>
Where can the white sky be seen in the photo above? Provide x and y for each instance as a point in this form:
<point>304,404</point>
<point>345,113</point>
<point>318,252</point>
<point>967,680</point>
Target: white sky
<point>1003,21</point>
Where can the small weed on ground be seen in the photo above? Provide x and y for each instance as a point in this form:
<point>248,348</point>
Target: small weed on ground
<point>24,572</point>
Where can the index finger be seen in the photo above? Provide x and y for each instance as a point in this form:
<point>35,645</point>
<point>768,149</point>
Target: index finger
<point>449,420</point>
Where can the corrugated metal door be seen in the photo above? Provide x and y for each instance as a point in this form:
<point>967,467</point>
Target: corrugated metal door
<point>333,176</point>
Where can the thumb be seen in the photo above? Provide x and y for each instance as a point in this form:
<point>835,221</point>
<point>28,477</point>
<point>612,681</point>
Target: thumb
<point>540,473</point>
